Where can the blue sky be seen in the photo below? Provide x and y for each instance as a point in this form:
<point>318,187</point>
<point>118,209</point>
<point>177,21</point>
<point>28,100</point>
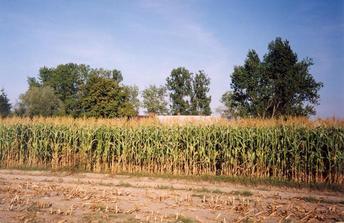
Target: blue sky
<point>147,39</point>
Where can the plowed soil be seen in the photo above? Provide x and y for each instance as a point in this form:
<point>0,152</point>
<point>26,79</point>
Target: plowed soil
<point>44,196</point>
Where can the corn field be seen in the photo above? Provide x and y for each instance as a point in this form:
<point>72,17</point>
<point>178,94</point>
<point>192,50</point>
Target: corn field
<point>302,153</point>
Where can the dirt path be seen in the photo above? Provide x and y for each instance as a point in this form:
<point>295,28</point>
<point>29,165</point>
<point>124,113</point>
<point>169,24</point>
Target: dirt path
<point>42,196</point>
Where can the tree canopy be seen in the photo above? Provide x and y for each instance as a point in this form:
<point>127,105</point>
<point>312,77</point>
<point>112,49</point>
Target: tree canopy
<point>77,87</point>
<point>40,101</point>
<point>188,92</point>
<point>180,90</point>
<point>154,100</point>
<point>200,100</point>
<point>104,97</point>
<point>229,109</point>
<point>133,94</point>
<point>280,85</point>
<point>69,80</point>
<point>5,106</point>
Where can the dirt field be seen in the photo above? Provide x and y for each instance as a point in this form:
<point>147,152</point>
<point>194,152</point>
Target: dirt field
<point>38,196</point>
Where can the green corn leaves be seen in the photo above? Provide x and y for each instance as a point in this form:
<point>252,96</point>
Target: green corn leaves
<point>295,153</point>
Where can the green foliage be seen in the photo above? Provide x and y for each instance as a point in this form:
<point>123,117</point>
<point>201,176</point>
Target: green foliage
<point>114,75</point>
<point>200,101</point>
<point>133,94</point>
<point>244,193</point>
<point>103,97</point>
<point>280,85</point>
<point>179,83</point>
<point>250,88</point>
<point>296,91</point>
<point>67,80</point>
<point>40,101</point>
<point>189,92</point>
<point>33,82</point>
<point>294,153</point>
<point>154,100</point>
<point>73,82</point>
<point>5,106</point>
<point>230,110</point>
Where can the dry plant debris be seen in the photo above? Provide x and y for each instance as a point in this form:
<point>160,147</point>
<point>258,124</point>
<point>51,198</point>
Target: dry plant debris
<point>38,196</point>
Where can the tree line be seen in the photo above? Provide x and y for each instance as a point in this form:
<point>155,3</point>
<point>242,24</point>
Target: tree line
<point>278,85</point>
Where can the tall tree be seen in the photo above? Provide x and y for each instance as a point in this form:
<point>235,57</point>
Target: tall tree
<point>40,101</point>
<point>5,106</point>
<point>200,100</point>
<point>69,80</point>
<point>295,90</point>
<point>229,110</point>
<point>154,100</point>
<point>179,84</point>
<point>251,88</point>
<point>281,85</point>
<point>105,98</point>
<point>115,75</point>
<point>133,97</point>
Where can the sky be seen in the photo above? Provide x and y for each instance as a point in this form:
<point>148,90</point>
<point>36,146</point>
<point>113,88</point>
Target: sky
<point>146,39</point>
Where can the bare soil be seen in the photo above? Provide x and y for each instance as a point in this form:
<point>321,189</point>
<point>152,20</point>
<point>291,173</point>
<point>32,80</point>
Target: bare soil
<point>44,196</point>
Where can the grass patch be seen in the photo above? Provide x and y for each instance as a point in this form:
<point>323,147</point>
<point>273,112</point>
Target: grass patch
<point>311,199</point>
<point>99,207</point>
<point>182,219</point>
<point>202,190</point>
<point>197,195</point>
<point>164,187</point>
<point>24,167</point>
<point>244,193</point>
<point>205,190</point>
<point>248,181</point>
<point>100,217</point>
<point>217,191</point>
<point>124,184</point>
<point>109,184</point>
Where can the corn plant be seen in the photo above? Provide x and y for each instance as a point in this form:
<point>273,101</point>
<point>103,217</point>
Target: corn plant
<point>302,153</point>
